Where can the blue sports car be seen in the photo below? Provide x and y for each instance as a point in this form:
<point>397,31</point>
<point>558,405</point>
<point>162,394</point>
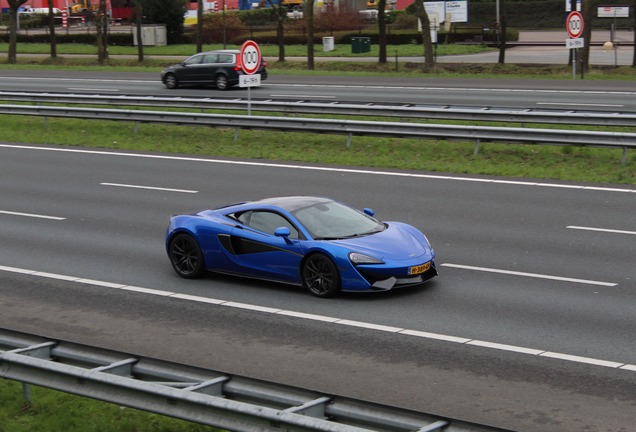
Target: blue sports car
<point>321,244</point>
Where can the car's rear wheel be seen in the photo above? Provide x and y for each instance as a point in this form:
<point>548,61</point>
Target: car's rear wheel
<point>170,80</point>
<point>222,82</point>
<point>186,257</point>
<point>321,276</point>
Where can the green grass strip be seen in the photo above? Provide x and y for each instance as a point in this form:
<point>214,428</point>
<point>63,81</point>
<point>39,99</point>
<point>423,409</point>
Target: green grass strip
<point>514,160</point>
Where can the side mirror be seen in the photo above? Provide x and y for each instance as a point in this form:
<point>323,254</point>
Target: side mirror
<point>369,212</point>
<point>282,232</point>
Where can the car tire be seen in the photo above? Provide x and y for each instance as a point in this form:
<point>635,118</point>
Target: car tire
<point>170,80</point>
<point>320,276</point>
<point>222,82</point>
<point>186,256</point>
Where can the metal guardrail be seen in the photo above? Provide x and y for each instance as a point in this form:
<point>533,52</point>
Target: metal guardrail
<point>492,114</point>
<point>207,397</point>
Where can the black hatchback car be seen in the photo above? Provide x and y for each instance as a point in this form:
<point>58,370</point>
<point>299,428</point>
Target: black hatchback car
<point>211,67</point>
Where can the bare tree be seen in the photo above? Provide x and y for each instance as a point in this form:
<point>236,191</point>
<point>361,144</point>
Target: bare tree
<point>52,30</point>
<point>382,31</point>
<point>503,30</point>
<point>280,11</point>
<point>101,23</point>
<point>199,26</point>
<point>589,6</point>
<point>308,13</point>
<point>14,5</point>
<point>138,21</point>
<point>634,42</point>
<point>427,41</point>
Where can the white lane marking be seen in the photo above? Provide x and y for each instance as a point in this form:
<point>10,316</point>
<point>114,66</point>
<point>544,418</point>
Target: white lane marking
<point>531,275</point>
<point>580,104</point>
<point>505,347</point>
<point>78,79</point>
<point>92,89</point>
<point>458,89</point>
<point>318,168</point>
<point>607,230</point>
<point>303,96</point>
<point>333,320</point>
<point>31,215</point>
<point>149,187</point>
<point>579,359</point>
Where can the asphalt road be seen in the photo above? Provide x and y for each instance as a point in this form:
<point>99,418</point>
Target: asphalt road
<point>529,326</point>
<point>598,95</point>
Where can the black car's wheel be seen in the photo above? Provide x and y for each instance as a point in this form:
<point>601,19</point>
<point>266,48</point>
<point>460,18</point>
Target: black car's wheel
<point>222,82</point>
<point>170,80</point>
<point>186,257</point>
<point>321,276</point>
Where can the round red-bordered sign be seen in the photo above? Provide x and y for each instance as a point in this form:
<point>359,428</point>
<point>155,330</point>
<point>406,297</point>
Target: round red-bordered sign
<point>574,24</point>
<point>250,57</point>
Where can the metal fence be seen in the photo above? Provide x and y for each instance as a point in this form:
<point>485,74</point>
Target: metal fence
<point>203,396</point>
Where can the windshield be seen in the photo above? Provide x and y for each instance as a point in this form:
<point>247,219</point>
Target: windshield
<point>332,220</point>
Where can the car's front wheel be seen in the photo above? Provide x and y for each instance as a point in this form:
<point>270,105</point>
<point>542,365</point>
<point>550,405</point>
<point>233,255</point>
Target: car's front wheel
<point>321,276</point>
<point>186,257</point>
<point>170,80</point>
<point>222,82</point>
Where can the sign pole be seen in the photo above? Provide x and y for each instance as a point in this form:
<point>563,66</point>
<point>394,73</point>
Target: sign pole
<point>250,61</point>
<point>249,101</point>
<point>574,28</point>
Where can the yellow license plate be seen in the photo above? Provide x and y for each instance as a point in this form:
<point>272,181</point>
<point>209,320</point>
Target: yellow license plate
<point>419,269</point>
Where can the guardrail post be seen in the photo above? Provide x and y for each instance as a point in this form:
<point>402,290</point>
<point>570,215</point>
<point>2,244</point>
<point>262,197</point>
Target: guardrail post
<point>26,393</point>
<point>476,152</point>
<point>236,132</point>
<point>624,159</point>
<point>349,137</point>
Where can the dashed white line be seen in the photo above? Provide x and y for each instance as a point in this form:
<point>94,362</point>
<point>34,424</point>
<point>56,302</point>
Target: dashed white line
<point>93,89</point>
<point>580,104</point>
<point>304,96</point>
<point>459,89</point>
<point>333,320</point>
<point>607,230</point>
<point>149,187</point>
<point>531,275</point>
<point>32,215</point>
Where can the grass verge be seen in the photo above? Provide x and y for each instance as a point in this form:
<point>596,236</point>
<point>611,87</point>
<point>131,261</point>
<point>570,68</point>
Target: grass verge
<point>514,160</point>
<point>52,411</point>
<point>266,50</point>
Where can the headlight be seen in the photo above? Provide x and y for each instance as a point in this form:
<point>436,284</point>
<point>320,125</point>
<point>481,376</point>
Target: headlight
<point>358,258</point>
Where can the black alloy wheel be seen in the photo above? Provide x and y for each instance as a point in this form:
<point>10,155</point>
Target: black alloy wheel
<point>221,82</point>
<point>320,276</point>
<point>186,257</point>
<point>170,80</point>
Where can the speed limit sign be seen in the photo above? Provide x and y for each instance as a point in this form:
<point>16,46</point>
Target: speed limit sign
<point>574,24</point>
<point>250,57</point>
